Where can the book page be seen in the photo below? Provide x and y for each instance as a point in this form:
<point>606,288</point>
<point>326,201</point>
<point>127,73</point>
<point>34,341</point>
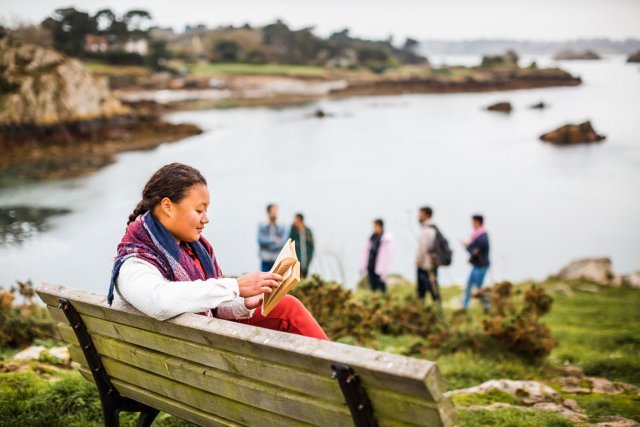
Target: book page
<point>288,266</point>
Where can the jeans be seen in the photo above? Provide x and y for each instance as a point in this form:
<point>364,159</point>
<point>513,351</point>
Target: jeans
<point>425,284</point>
<point>266,265</point>
<point>476,277</point>
<point>376,282</point>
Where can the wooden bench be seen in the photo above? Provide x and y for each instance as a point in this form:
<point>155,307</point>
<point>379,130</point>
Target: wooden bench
<point>215,372</point>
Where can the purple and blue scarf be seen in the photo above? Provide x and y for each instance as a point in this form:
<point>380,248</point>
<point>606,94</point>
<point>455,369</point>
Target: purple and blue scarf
<point>150,241</point>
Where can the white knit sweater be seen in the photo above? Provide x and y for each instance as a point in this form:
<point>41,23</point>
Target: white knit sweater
<point>141,285</point>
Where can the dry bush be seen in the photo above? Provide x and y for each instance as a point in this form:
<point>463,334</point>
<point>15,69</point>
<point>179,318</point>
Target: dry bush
<point>514,320</point>
<point>20,324</point>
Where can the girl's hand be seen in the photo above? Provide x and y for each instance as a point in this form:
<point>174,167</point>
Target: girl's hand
<point>253,302</point>
<point>252,284</point>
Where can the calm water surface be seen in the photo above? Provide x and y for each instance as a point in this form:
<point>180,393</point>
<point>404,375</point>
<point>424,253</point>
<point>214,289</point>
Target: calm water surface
<point>376,157</point>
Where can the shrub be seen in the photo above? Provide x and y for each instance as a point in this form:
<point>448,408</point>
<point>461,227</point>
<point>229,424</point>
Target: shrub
<point>513,320</point>
<point>516,324</point>
<point>21,324</point>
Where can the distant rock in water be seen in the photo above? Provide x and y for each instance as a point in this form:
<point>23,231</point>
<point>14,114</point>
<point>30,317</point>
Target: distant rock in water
<point>573,134</point>
<point>320,114</point>
<point>569,54</point>
<point>597,270</point>
<point>634,57</point>
<point>42,87</point>
<point>503,107</point>
<point>539,106</point>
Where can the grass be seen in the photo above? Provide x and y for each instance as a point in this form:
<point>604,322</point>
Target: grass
<point>598,331</point>
<point>256,69</point>
<point>511,417</point>
<point>55,399</point>
<point>102,69</point>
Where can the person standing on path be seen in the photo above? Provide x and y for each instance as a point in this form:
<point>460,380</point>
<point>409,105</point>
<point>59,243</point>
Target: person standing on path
<point>376,257</point>
<point>271,238</point>
<point>427,270</point>
<point>478,248</point>
<point>303,238</point>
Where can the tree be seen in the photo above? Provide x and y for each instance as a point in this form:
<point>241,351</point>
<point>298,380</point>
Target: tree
<point>137,21</point>
<point>69,27</point>
<point>227,50</point>
<point>104,20</point>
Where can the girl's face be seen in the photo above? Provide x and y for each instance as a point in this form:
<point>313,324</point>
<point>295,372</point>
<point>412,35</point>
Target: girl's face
<point>186,219</point>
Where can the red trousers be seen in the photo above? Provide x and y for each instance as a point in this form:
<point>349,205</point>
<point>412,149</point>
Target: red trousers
<point>288,316</point>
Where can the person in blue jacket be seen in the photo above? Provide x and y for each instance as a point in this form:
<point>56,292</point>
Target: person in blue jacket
<point>478,248</point>
<point>271,238</point>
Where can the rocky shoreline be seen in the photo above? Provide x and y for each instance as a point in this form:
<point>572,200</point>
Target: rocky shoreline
<point>79,148</point>
<point>261,91</point>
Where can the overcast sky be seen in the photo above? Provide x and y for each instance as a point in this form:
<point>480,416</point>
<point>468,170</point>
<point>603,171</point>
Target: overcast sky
<point>426,19</point>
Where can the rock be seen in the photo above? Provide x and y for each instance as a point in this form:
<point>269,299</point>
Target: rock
<point>569,54</point>
<point>35,352</point>
<point>539,106</point>
<point>562,289</point>
<point>575,381</point>
<point>319,113</point>
<point>573,134</point>
<point>631,279</point>
<point>616,422</point>
<point>42,87</point>
<point>529,392</point>
<point>60,353</point>
<point>29,353</point>
<point>567,412</point>
<point>593,269</point>
<point>589,288</point>
<point>634,57</point>
<point>503,107</point>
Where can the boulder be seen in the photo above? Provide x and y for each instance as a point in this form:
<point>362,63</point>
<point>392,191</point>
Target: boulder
<point>43,87</point>
<point>573,134</point>
<point>502,107</point>
<point>631,279</point>
<point>597,270</point>
<point>529,392</point>
<point>634,57</point>
<point>36,352</point>
<point>570,54</point>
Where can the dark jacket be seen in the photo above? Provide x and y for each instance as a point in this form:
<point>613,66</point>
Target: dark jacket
<point>303,256</point>
<point>479,251</point>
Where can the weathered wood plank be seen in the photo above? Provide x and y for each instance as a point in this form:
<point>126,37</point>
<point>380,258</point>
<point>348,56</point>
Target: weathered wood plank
<point>206,402</point>
<point>399,373</point>
<point>301,381</point>
<point>234,387</point>
<point>164,404</point>
<point>386,404</point>
<point>169,406</point>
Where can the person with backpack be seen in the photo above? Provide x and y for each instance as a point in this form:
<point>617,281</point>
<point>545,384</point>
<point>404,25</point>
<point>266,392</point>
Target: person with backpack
<point>433,252</point>
<point>478,248</point>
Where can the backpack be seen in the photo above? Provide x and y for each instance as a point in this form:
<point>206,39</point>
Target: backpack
<point>441,252</point>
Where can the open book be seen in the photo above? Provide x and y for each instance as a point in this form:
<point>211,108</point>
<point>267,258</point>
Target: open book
<point>288,266</point>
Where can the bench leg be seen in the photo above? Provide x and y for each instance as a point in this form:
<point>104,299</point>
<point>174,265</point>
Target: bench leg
<point>111,415</point>
<point>146,417</point>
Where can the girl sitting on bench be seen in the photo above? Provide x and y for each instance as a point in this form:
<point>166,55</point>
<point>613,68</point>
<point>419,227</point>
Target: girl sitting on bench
<point>165,267</point>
